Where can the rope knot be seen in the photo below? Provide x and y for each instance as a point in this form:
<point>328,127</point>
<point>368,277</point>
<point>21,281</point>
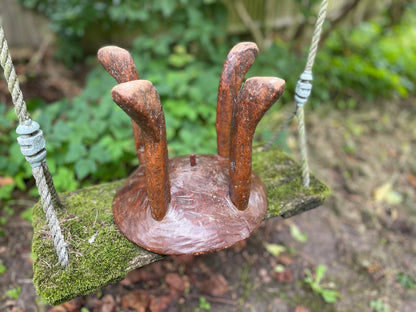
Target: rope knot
<point>32,143</point>
<point>303,88</point>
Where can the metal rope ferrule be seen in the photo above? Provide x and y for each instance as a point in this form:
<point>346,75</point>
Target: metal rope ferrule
<point>32,143</point>
<point>303,88</point>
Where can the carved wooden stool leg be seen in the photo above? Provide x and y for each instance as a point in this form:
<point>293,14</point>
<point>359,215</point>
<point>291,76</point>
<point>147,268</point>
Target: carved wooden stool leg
<point>237,64</point>
<point>119,64</point>
<point>196,203</point>
<point>140,100</point>
<point>255,98</point>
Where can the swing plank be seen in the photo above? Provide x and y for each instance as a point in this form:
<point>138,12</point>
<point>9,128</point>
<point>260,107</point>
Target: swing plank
<point>99,254</point>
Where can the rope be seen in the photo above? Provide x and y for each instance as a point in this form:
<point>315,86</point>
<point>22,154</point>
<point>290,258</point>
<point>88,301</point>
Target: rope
<point>52,220</point>
<point>302,93</point>
<point>32,146</point>
<point>317,35</point>
<point>304,88</point>
<point>303,147</point>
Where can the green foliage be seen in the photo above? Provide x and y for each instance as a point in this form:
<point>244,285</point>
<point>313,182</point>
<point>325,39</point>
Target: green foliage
<point>329,295</point>
<point>82,135</point>
<point>3,269</point>
<point>204,305</point>
<point>406,280</point>
<point>27,214</point>
<point>181,51</point>
<point>379,306</point>
<point>14,293</point>
<point>297,234</point>
<point>274,249</point>
<point>368,62</point>
<point>195,23</point>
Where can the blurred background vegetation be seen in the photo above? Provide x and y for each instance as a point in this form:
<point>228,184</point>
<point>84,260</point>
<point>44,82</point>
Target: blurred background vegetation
<point>180,46</point>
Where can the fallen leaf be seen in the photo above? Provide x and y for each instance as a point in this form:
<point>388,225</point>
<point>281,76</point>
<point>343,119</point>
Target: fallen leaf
<point>108,304</point>
<point>297,234</point>
<point>175,282</point>
<point>283,277</point>
<point>279,268</point>
<point>285,260</point>
<point>411,178</point>
<point>137,300</point>
<point>394,198</point>
<point>74,305</point>
<point>6,181</point>
<point>385,193</point>
<point>160,303</point>
<point>215,285</point>
<point>275,249</point>
<point>381,191</point>
<point>302,309</point>
<point>140,275</point>
<point>59,308</point>
<point>376,271</point>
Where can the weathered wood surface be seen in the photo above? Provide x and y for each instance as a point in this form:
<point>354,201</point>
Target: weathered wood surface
<point>99,254</point>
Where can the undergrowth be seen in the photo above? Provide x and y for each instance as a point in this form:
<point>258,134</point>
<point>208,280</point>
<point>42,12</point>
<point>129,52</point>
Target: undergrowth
<point>89,139</point>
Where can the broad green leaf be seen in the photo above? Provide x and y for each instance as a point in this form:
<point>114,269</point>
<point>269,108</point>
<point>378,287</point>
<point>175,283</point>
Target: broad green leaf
<point>275,249</point>
<point>84,167</point>
<point>320,273</point>
<point>329,295</point>
<point>297,234</point>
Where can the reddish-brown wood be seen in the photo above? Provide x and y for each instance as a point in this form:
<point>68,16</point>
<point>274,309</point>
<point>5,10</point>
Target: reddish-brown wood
<point>255,98</point>
<point>196,203</point>
<point>140,100</point>
<point>119,64</point>
<point>201,216</point>
<point>238,62</point>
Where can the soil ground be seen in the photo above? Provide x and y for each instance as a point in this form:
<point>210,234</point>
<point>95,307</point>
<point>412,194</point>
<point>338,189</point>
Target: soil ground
<point>364,234</point>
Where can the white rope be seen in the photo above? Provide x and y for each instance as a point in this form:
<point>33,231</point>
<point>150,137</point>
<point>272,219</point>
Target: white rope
<point>32,145</point>
<point>304,88</point>
<point>317,35</point>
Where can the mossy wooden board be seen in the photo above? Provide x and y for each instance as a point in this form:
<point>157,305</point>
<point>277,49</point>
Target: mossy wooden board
<point>99,254</point>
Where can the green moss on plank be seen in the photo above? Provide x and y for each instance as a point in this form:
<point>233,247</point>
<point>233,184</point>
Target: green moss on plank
<point>282,177</point>
<point>99,254</point>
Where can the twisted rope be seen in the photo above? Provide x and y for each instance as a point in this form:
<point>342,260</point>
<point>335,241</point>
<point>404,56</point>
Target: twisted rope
<point>51,219</point>
<point>303,147</point>
<point>317,35</point>
<point>304,88</point>
<point>32,145</point>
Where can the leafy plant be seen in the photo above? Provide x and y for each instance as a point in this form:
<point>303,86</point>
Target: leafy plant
<point>204,305</point>
<point>379,306</point>
<point>329,295</point>
<point>27,214</point>
<point>3,268</point>
<point>274,249</point>
<point>368,62</point>
<point>297,234</point>
<point>406,280</point>
<point>14,293</point>
<point>198,22</point>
